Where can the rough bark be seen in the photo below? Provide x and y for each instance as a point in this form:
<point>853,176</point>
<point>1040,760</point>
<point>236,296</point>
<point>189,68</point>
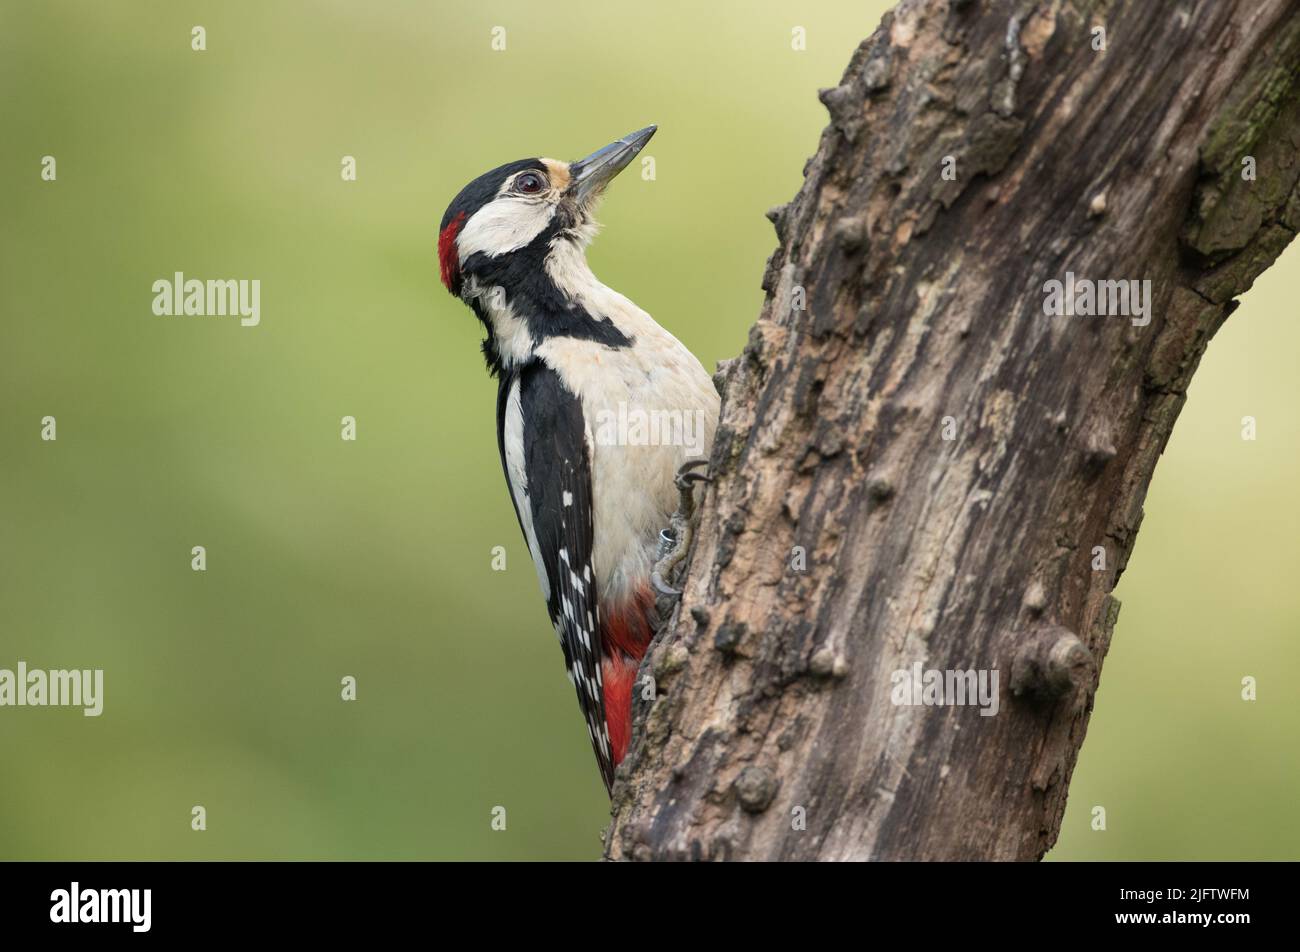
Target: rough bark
<point>924,301</point>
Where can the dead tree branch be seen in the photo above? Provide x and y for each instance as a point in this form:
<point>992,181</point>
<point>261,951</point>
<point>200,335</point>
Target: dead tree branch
<point>916,464</point>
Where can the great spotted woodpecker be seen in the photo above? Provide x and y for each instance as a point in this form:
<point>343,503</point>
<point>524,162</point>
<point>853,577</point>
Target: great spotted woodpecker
<point>574,361</point>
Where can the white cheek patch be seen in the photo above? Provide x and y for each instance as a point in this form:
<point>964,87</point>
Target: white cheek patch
<point>503,225</point>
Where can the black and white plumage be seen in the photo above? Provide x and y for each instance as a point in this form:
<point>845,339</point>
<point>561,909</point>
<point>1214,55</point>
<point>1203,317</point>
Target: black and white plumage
<point>548,469</point>
<point>571,355</point>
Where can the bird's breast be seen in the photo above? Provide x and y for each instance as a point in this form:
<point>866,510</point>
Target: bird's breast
<point>647,409</point>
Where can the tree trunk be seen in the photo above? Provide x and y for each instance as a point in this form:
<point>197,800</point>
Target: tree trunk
<point>916,464</point>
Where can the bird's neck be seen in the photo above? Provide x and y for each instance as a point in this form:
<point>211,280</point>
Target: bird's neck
<point>558,297</point>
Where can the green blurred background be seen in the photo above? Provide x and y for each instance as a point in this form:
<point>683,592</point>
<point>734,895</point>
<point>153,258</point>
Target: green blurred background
<point>373,559</point>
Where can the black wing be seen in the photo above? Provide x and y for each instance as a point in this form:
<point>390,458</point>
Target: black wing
<point>545,441</point>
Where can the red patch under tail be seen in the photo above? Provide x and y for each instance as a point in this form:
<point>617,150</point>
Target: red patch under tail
<point>625,632</point>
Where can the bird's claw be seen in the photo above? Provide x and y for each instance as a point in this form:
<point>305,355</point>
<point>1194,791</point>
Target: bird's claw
<point>686,474</point>
<point>662,587</point>
<point>675,541</point>
<point>685,481</point>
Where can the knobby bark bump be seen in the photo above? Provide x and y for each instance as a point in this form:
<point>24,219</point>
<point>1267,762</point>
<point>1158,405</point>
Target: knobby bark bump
<point>917,465</point>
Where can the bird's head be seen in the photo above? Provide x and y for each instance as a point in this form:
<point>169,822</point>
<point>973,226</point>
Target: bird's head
<point>504,225</point>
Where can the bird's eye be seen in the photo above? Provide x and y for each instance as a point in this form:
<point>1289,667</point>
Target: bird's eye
<point>529,183</point>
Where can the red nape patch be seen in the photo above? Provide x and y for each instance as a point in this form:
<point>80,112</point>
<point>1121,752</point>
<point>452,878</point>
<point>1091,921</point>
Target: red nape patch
<point>625,633</point>
<point>448,259</point>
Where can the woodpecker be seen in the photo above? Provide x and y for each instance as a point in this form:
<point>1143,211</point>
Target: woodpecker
<point>571,356</point>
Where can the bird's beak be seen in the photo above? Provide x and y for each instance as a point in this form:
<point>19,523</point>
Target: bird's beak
<point>590,175</point>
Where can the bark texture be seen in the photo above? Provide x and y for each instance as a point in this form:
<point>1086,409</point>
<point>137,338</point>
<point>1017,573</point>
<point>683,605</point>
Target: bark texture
<point>947,456</point>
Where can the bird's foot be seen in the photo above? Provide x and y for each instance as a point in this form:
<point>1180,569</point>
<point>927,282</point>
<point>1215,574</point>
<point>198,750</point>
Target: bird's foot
<point>685,481</point>
<point>672,549</point>
<point>675,541</point>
